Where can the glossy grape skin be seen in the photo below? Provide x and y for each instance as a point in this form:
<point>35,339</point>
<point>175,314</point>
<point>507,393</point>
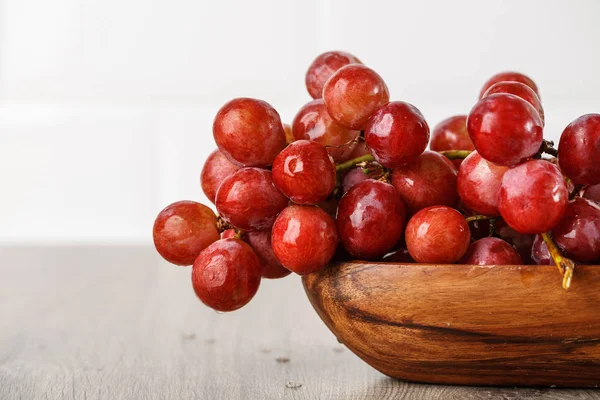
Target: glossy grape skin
<point>216,168</point>
<point>182,230</point>
<point>396,134</point>
<point>226,275</point>
<point>509,76</point>
<point>371,219</point>
<point>304,239</point>
<point>478,184</point>
<point>451,134</point>
<point>579,150</point>
<point>304,172</point>
<point>261,243</point>
<point>325,65</point>
<point>352,95</point>
<point>592,193</point>
<point>399,256</point>
<point>533,197</point>
<point>289,136</point>
<point>249,132</point>
<point>438,235</point>
<point>520,90</point>
<point>249,201</point>
<point>578,233</point>
<point>522,243</point>
<point>505,129</point>
<point>429,180</point>
<point>314,123</point>
<point>540,254</point>
<point>491,251</point>
<point>358,175</point>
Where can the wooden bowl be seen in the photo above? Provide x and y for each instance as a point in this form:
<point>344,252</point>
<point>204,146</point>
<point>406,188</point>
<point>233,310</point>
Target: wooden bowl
<point>465,324</point>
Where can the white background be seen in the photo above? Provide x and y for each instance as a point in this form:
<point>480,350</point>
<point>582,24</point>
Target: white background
<point>106,106</point>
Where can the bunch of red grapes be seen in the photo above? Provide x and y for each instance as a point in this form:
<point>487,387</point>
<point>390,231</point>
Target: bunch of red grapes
<point>351,179</point>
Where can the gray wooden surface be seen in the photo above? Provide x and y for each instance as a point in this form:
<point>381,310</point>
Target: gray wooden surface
<point>117,323</point>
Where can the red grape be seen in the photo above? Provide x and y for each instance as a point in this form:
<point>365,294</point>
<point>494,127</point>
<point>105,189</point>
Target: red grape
<point>522,243</point>
<point>451,134</point>
<point>329,205</point>
<point>361,149</point>
<point>289,136</point>
<point>182,230</point>
<point>533,197</point>
<point>396,133</point>
<point>304,172</point>
<point>261,243</point>
<point>520,90</point>
<point>437,234</point>
<point>508,76</point>
<point>249,132</point>
<point>578,233</point>
<point>592,193</point>
<point>579,150</point>
<point>314,123</point>
<point>352,95</point>
<point>304,239</point>
<point>540,254</point>
<point>429,180</point>
<point>491,251</point>
<point>358,175</point>
<point>249,201</point>
<point>478,184</point>
<point>226,275</point>
<point>370,219</point>
<point>323,67</point>
<point>505,129</point>
<point>216,168</point>
<point>399,256</point>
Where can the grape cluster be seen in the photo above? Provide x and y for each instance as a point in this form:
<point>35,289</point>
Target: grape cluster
<point>351,178</point>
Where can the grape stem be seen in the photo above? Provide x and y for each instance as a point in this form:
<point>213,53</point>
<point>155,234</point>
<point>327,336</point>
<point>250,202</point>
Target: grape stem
<point>478,218</point>
<point>222,225</point>
<point>456,154</point>
<point>565,266</point>
<point>548,148</point>
<point>353,162</point>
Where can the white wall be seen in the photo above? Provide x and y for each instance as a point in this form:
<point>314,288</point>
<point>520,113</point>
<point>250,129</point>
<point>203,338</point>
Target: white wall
<point>106,106</point>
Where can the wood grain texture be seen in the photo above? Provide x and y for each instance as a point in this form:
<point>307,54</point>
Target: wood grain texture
<point>456,324</point>
<point>117,323</point>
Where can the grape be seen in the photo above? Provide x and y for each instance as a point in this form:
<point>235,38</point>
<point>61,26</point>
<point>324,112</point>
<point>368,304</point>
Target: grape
<point>228,233</point>
<point>437,234</point>
<point>522,243</point>
<point>226,275</point>
<point>249,201</point>
<point>592,193</point>
<point>314,123</point>
<point>540,253</point>
<point>261,243</point>
<point>578,233</point>
<point>508,76</point>
<point>491,251</point>
<point>579,150</point>
<point>451,134</point>
<point>352,95</point>
<point>370,219</point>
<point>396,133</point>
<point>304,172</point>
<point>533,197</point>
<point>478,184</point>
<point>182,230</point>
<point>361,149</point>
<point>505,129</point>
<point>358,175</point>
<point>429,180</point>
<point>249,132</point>
<point>399,256</point>
<point>216,168</point>
<point>323,67</point>
<point>304,239</point>
<point>520,90</point>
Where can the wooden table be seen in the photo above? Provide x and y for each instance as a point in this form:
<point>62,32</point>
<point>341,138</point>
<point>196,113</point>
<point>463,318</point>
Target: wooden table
<point>118,323</point>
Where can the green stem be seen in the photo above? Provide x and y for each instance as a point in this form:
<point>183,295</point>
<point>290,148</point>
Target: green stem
<point>352,163</point>
<point>565,266</point>
<point>456,154</point>
<point>477,218</point>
